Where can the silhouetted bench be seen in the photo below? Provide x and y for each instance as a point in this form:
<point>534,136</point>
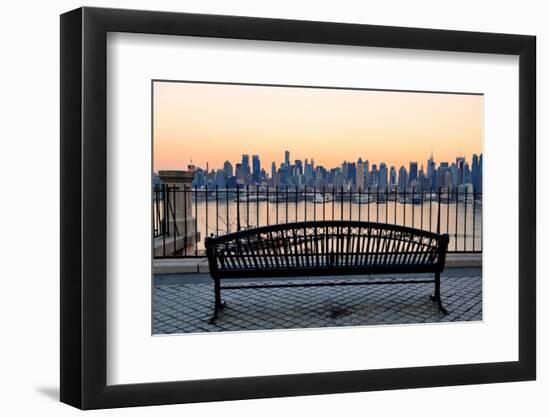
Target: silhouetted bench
<point>324,248</point>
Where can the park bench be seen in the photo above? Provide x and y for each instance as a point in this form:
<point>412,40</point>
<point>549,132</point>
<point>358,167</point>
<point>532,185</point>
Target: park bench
<point>325,248</point>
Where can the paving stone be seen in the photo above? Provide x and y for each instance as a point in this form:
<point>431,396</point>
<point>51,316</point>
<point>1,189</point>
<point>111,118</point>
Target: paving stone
<point>185,306</point>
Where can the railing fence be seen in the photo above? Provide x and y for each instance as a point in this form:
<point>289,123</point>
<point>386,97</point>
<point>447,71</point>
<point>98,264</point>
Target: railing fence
<point>216,211</point>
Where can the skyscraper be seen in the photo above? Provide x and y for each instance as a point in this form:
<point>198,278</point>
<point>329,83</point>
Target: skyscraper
<point>447,180</point>
<point>393,176</point>
<point>466,174</point>
<point>431,174</point>
<point>431,167</point>
<point>403,179</point>
<point>228,169</point>
<point>220,178</point>
<point>352,172</point>
<point>454,174</point>
<point>245,164</point>
<point>374,175</point>
<point>360,174</point>
<point>298,167</point>
<point>383,177</point>
<point>345,169</point>
<point>460,169</point>
<point>256,167</point>
<point>287,158</point>
<point>413,172</point>
<point>441,174</point>
<point>239,173</point>
<point>308,171</point>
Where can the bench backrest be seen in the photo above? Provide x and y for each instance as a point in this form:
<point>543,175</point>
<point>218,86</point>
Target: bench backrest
<point>316,248</point>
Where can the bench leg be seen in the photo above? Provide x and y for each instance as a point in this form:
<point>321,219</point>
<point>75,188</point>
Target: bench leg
<point>437,294</point>
<point>218,304</point>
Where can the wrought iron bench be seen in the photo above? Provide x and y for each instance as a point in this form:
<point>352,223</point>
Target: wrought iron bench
<point>324,248</point>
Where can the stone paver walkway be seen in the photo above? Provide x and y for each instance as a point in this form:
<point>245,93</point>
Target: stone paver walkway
<point>182,303</point>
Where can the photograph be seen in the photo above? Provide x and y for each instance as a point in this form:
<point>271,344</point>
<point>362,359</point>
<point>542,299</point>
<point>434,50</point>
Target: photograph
<point>303,207</point>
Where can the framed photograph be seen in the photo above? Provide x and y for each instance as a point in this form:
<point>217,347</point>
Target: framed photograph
<point>260,208</point>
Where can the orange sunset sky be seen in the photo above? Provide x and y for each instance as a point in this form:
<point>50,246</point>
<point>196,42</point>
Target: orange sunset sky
<point>217,122</point>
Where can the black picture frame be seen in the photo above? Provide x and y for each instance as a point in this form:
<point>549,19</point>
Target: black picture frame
<point>84,207</point>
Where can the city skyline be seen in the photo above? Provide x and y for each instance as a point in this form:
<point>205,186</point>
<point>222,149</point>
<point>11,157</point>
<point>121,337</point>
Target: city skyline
<point>185,164</point>
<point>216,122</point>
<point>360,174</point>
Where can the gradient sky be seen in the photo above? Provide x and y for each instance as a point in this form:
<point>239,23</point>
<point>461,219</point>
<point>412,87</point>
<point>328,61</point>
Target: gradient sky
<point>213,123</point>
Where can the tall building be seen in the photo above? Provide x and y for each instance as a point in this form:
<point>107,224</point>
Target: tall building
<point>308,171</point>
<point>447,180</point>
<point>413,172</point>
<point>403,179</point>
<point>245,164</point>
<point>345,169</point>
<point>454,174</point>
<point>360,175</point>
<point>287,158</point>
<point>256,168</point>
<point>220,178</point>
<point>298,167</point>
<point>240,173</point>
<point>383,177</point>
<point>431,167</point>
<point>460,160</point>
<point>228,169</point>
<point>393,177</point>
<point>466,174</point>
<point>440,175</point>
<point>374,175</point>
<point>352,172</point>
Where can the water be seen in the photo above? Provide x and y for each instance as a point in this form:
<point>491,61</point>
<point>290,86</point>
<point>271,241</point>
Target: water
<point>461,220</point>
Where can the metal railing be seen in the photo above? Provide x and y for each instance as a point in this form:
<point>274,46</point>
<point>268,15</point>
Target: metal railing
<point>216,211</point>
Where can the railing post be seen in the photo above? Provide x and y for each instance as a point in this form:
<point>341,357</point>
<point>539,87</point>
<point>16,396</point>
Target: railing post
<point>474,222</point>
<point>465,217</point>
<point>456,220</point>
<point>206,210</point>
<point>247,206</point>
<point>360,202</point>
<point>238,210</point>
<point>217,211</point>
<point>227,225</point>
<point>276,204</point>
<point>185,230</point>
<point>286,204</point>
<point>296,203</point>
<point>267,206</point>
<point>257,206</point>
<point>164,220</point>
<point>342,203</point>
<point>412,206</point>
<point>386,203</point>
<point>439,210</point>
